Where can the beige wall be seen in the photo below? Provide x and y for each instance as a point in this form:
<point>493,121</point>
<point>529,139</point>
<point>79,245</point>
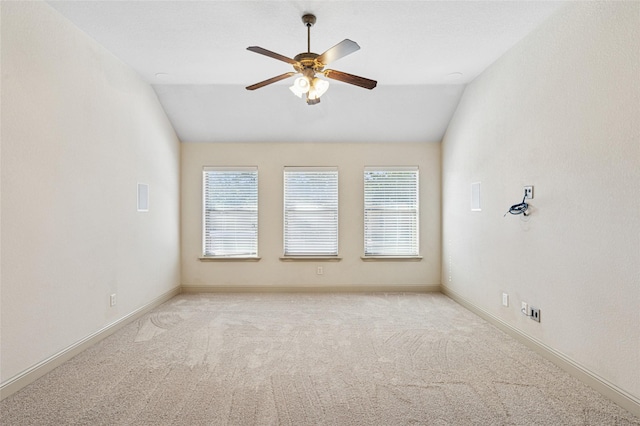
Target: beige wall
<point>79,131</point>
<point>270,271</point>
<point>560,111</point>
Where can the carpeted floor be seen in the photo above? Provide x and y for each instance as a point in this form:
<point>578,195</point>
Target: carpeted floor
<point>310,359</point>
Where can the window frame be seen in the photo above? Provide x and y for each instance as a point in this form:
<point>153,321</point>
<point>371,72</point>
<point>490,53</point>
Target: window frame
<point>251,254</point>
<point>414,253</point>
<point>310,255</point>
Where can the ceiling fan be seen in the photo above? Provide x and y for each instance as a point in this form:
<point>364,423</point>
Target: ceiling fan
<point>310,65</point>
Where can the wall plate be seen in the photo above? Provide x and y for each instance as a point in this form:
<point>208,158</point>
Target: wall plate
<point>143,197</point>
<point>534,313</point>
<point>475,197</point>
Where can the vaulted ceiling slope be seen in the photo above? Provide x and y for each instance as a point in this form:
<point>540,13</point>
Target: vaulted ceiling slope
<point>422,53</point>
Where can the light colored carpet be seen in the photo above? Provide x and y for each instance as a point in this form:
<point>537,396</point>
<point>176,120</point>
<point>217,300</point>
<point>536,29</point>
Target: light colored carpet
<point>310,359</point>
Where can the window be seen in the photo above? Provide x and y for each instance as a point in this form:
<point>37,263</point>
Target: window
<point>311,211</point>
<point>391,211</point>
<point>230,203</point>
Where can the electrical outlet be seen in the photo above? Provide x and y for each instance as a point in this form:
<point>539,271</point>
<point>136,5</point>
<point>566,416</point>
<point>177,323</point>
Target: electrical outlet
<point>112,300</point>
<point>534,313</point>
<point>528,192</point>
<point>320,270</point>
<point>523,308</point>
<point>505,299</point>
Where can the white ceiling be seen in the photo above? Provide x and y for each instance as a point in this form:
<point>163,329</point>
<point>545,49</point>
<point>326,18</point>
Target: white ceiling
<point>194,54</point>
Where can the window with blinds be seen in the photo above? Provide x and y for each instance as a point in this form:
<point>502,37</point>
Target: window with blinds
<point>311,211</point>
<point>230,216</point>
<point>391,225</point>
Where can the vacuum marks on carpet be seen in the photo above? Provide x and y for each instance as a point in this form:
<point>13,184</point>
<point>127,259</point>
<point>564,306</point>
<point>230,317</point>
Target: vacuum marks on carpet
<point>301,359</point>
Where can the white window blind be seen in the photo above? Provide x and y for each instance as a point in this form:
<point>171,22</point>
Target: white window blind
<point>391,211</point>
<point>311,211</point>
<point>230,202</point>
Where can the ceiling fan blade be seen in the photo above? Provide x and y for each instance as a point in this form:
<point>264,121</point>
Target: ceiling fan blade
<point>344,48</point>
<point>271,54</point>
<point>271,80</point>
<point>351,79</point>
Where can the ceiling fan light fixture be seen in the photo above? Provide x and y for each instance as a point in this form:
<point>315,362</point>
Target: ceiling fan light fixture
<point>301,85</point>
<point>296,91</point>
<point>318,87</point>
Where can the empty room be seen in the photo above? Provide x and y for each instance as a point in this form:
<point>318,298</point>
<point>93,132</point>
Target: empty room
<point>327,213</point>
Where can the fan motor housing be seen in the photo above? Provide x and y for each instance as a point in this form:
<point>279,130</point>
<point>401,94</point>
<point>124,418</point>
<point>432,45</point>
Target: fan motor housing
<point>308,60</point>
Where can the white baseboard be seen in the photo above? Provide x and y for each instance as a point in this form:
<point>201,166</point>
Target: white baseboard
<point>606,388</point>
<point>310,289</point>
<point>33,373</point>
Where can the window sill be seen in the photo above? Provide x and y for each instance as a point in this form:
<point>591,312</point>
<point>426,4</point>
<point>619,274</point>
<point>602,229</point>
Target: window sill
<point>310,258</point>
<point>391,258</point>
<point>229,259</point>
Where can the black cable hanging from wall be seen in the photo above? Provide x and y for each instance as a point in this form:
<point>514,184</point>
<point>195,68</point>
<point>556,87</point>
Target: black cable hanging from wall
<point>520,208</point>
